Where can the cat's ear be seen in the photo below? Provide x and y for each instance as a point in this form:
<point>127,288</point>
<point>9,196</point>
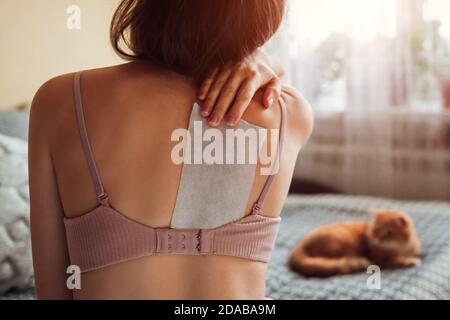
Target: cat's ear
<point>401,221</point>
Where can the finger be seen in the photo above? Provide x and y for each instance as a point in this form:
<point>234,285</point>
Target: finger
<point>243,99</point>
<point>272,92</point>
<point>206,85</point>
<point>226,97</point>
<point>214,91</point>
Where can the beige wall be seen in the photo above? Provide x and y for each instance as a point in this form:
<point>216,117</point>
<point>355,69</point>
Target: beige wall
<point>35,43</point>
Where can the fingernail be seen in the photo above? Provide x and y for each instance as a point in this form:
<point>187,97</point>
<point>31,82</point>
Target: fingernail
<point>214,120</point>
<point>202,96</point>
<point>270,100</point>
<point>230,120</point>
<point>204,113</point>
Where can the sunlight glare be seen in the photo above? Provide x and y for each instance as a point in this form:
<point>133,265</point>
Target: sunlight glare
<point>359,19</point>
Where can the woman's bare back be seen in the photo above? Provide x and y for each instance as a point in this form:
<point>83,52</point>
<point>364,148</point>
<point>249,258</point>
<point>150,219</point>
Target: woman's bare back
<point>131,111</point>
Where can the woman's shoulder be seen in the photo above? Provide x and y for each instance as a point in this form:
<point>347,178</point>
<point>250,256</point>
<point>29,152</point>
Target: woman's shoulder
<point>61,86</point>
<point>52,106</point>
<point>54,98</point>
<point>48,105</point>
<point>299,114</point>
<point>53,89</point>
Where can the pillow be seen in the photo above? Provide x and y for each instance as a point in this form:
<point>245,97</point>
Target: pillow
<point>16,271</point>
<point>14,123</point>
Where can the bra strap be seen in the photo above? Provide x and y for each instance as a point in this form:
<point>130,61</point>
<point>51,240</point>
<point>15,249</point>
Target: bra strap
<point>102,196</point>
<point>281,136</point>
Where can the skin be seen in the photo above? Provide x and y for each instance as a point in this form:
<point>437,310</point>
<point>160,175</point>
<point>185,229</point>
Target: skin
<point>226,93</point>
<point>130,112</point>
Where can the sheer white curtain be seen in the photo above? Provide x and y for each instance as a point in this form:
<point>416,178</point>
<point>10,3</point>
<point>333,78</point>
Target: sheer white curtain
<point>357,62</point>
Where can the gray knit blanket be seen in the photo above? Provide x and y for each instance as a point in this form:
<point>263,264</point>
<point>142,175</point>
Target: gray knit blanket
<point>301,214</point>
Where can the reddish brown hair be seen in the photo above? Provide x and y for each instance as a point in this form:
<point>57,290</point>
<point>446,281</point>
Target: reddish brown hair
<point>193,36</point>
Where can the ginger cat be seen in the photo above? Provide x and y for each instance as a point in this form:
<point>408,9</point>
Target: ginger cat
<point>388,241</point>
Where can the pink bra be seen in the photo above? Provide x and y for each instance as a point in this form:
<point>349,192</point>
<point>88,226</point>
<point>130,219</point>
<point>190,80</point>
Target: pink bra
<point>104,236</point>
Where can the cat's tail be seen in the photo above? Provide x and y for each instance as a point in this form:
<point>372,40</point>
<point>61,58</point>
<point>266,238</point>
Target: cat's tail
<point>309,266</point>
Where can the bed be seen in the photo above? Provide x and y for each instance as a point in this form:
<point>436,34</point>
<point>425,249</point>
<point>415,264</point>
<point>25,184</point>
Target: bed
<point>302,213</point>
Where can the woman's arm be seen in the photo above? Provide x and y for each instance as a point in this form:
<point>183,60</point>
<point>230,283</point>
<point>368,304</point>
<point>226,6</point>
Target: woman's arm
<point>50,255</point>
<point>226,93</point>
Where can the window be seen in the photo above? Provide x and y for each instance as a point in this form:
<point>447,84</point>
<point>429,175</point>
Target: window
<point>351,54</point>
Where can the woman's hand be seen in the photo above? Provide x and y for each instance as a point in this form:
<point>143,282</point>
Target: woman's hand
<point>227,93</point>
